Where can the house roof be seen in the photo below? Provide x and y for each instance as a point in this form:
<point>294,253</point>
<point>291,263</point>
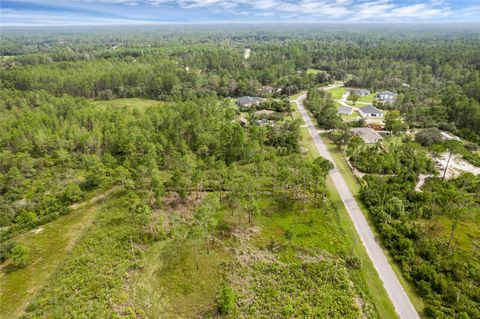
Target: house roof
<point>370,109</point>
<point>367,134</point>
<point>244,100</point>
<point>344,109</point>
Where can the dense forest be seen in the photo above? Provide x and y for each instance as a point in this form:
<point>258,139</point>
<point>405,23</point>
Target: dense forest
<point>435,73</point>
<point>146,116</point>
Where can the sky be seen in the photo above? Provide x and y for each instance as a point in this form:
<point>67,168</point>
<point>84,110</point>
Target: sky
<point>125,12</point>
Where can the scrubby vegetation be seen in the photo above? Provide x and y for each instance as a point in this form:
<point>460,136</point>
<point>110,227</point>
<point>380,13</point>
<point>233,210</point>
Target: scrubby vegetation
<point>209,215</point>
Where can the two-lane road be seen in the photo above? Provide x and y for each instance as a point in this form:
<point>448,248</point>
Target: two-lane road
<point>395,290</point>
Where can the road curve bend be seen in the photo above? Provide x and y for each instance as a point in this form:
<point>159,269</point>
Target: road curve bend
<point>394,288</point>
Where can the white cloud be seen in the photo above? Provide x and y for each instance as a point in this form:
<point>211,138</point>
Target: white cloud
<point>277,10</point>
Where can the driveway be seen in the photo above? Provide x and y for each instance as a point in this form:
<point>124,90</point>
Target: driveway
<point>395,290</point>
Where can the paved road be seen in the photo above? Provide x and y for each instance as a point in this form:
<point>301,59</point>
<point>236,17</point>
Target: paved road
<point>395,290</point>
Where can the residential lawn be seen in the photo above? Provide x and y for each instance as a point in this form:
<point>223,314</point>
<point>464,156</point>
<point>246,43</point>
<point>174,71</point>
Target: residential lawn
<point>368,99</point>
<point>337,92</point>
<point>137,103</point>
<point>48,245</point>
<point>350,118</point>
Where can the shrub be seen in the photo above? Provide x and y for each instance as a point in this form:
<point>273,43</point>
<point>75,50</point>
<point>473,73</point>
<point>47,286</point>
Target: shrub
<point>429,137</point>
<point>288,311</point>
<point>20,256</point>
<point>472,147</point>
<point>26,217</point>
<point>72,194</point>
<point>226,300</point>
<point>5,249</point>
<point>353,262</point>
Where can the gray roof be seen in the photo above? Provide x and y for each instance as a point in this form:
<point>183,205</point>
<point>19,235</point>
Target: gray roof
<point>367,134</point>
<point>370,109</point>
<point>248,100</point>
<point>344,109</point>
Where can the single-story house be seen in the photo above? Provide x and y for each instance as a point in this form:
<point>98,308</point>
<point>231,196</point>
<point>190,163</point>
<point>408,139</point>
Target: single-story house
<point>345,110</point>
<point>245,102</point>
<point>370,111</point>
<point>368,135</point>
<point>386,96</point>
<point>360,92</point>
<point>264,113</point>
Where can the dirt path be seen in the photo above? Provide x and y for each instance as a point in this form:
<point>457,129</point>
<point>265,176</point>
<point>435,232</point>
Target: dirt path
<point>421,181</point>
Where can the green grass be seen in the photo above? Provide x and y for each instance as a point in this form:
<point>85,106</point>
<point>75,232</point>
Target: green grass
<point>170,284</point>
<point>337,92</point>
<point>390,141</point>
<point>368,99</point>
<point>47,248</point>
<point>137,103</point>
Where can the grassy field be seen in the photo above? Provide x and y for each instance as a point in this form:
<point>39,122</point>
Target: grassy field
<point>48,247</point>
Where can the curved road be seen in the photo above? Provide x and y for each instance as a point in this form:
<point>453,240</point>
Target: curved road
<point>394,288</point>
